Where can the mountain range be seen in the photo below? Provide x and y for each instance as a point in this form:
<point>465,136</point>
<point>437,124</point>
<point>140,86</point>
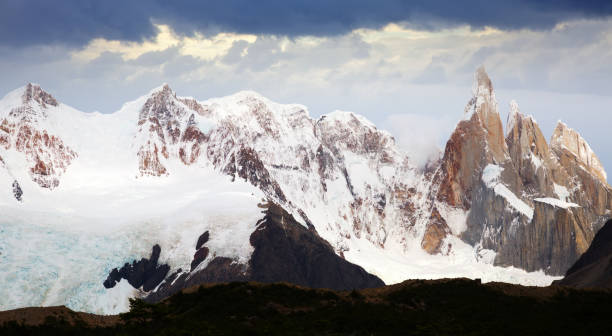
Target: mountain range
<point>169,192</point>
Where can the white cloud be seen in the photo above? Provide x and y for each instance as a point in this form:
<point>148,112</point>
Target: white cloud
<point>199,46</point>
<point>421,136</point>
<point>210,48</point>
<point>164,39</point>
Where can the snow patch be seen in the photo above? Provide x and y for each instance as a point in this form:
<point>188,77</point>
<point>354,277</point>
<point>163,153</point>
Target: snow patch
<point>537,162</point>
<point>561,192</point>
<point>557,203</point>
<point>491,176</point>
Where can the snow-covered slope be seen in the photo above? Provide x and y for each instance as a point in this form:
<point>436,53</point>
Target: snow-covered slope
<point>164,169</point>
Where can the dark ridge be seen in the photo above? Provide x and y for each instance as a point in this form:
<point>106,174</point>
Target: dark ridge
<point>145,273</point>
<point>594,268</point>
<point>203,239</point>
<point>600,247</point>
<point>199,256</point>
<point>284,251</point>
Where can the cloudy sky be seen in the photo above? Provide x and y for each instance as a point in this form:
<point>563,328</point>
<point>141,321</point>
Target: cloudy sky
<point>406,65</point>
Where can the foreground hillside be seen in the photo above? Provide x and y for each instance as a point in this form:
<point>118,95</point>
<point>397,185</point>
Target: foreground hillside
<point>438,307</point>
<point>594,268</point>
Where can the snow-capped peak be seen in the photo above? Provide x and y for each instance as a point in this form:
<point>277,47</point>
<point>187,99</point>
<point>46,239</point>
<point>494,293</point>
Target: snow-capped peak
<point>162,88</point>
<point>33,92</point>
<point>566,138</point>
<point>162,103</point>
<point>31,95</point>
<point>29,103</point>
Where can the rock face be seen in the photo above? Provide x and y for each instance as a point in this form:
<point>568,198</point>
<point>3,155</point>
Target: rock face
<point>145,273</point>
<point>538,206</point>
<point>594,268</point>
<point>284,251</point>
<point>17,192</point>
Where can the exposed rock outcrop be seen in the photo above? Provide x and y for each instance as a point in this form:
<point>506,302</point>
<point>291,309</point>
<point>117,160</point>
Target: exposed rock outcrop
<point>145,273</point>
<point>284,251</point>
<point>201,250</point>
<point>17,192</point>
<point>436,231</point>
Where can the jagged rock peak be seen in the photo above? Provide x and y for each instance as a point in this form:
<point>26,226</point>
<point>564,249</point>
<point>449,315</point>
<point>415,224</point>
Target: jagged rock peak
<point>566,138</point>
<point>163,90</point>
<point>482,110</point>
<point>33,92</point>
<point>482,82</point>
<point>515,117</point>
<point>160,103</point>
<point>483,100</point>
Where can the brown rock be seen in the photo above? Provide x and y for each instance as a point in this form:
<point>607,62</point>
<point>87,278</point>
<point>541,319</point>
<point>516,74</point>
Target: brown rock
<point>435,233</point>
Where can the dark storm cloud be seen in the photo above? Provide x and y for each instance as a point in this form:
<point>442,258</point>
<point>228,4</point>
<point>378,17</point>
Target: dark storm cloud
<point>74,22</point>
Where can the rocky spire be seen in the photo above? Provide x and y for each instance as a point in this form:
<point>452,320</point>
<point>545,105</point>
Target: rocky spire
<point>529,152</point>
<point>524,134</point>
<point>567,139</point>
<point>483,106</point>
<point>482,83</point>
<point>513,117</point>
